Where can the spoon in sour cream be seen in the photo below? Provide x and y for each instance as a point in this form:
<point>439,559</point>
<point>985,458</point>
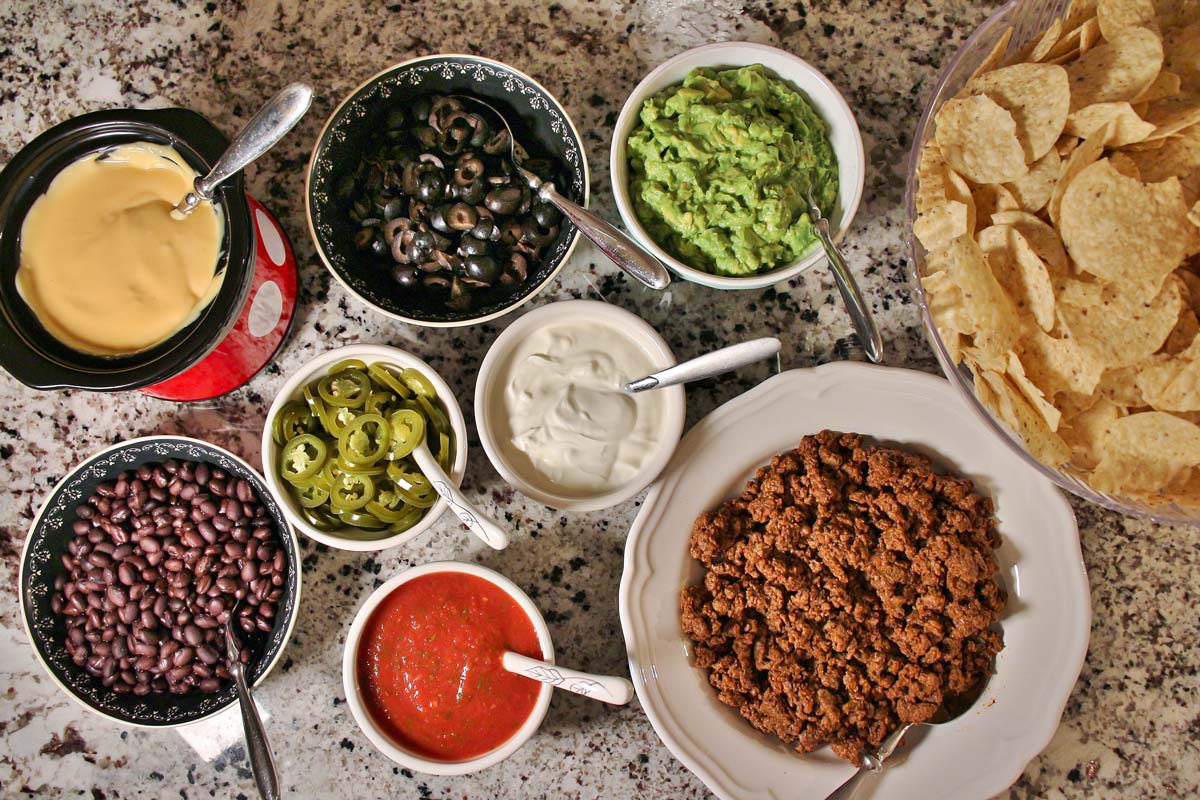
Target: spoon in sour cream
<point>606,688</point>
<point>467,512</point>
<point>708,365</point>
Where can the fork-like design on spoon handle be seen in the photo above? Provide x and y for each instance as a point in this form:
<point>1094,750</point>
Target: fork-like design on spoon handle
<point>616,245</point>
<point>607,688</point>
<point>709,365</point>
<point>268,126</point>
<point>856,307</point>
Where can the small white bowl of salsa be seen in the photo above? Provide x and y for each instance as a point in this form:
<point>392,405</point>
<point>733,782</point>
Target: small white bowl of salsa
<point>422,668</point>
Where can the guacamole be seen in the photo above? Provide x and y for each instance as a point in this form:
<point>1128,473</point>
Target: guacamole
<point>718,168</point>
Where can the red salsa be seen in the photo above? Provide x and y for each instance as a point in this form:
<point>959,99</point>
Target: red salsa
<point>429,666</point>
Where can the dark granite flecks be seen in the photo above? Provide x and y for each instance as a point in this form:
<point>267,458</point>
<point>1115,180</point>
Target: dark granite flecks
<point>1132,727</point>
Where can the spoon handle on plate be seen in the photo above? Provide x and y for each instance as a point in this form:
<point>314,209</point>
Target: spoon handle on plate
<point>475,520</point>
<point>608,688</point>
<point>872,764</point>
<point>708,365</point>
<point>268,126</point>
<point>624,252</point>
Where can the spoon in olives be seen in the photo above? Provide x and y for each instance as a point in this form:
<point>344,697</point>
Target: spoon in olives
<point>623,251</point>
<point>476,521</point>
<point>268,126</point>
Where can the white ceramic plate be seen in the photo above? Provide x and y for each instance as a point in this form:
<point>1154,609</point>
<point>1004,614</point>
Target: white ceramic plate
<point>1046,623</point>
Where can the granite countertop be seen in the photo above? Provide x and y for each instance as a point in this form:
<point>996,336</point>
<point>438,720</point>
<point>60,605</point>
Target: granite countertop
<point>1132,726</point>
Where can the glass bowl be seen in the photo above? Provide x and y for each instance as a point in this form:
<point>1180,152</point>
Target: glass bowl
<point>1027,18</point>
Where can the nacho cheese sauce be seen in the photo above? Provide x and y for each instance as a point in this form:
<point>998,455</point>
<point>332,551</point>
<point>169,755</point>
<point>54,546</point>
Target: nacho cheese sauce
<point>430,666</point>
<point>568,414</point>
<point>104,266</point>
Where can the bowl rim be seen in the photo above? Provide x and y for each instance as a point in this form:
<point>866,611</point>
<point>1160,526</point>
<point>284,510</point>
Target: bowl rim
<point>363,718</point>
<point>641,333</point>
<point>295,602</point>
<point>292,386</point>
<point>632,107</point>
<point>915,257</point>
<point>321,141</point>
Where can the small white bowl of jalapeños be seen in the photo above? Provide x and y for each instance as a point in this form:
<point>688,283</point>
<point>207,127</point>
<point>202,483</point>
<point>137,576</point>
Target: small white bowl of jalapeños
<point>307,496</point>
<point>795,73</point>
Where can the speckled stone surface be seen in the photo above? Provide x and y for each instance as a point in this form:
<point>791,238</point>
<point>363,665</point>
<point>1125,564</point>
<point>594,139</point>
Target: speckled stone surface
<point>1132,727</point>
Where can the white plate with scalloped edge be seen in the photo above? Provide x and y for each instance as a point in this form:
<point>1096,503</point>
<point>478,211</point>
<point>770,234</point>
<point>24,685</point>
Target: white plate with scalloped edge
<point>1046,623</point>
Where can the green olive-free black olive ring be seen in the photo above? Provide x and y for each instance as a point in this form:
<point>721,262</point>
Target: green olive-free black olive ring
<point>441,200</point>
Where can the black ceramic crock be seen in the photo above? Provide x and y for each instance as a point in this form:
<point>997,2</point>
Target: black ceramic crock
<point>27,351</point>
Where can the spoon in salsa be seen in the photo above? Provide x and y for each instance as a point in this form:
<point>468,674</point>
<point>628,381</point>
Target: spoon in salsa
<point>467,512</point>
<point>623,251</point>
<point>606,688</point>
<point>268,126</point>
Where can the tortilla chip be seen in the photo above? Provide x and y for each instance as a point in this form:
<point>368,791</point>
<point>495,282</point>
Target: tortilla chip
<point>939,219</point>
<point>1037,95</point>
<point>1122,330</point>
<point>1124,125</point>
<point>1125,165</point>
<point>1030,391</point>
<point>990,308</point>
<point>1011,407</point>
<point>1032,190</point>
<point>1082,157</point>
<point>1170,384</point>
<point>1120,69</point>
<point>1040,48</point>
<point>1023,275</point>
<point>1175,156</point>
<point>1173,114</point>
<point>1106,218</point>
<point>1059,365</point>
<point>1167,84</point>
<point>1181,52</point>
<point>990,199</point>
<point>1079,12</point>
<point>1041,237</point>
<point>1084,432</point>
<point>995,57</point>
<point>950,317</point>
<point>979,141</point>
<point>1114,16</point>
<point>1145,452</point>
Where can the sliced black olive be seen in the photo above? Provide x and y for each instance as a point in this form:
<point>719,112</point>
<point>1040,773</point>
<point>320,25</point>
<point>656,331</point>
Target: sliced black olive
<point>480,130</point>
<point>470,246</point>
<point>468,169</point>
<point>426,240</point>
<point>461,217</point>
<point>441,242</point>
<point>430,266</point>
<point>435,280</point>
<point>437,219</point>
<point>545,214</point>
<point>498,144</point>
<point>427,136</point>
<point>396,118</point>
<point>380,247</point>
<point>511,232</point>
<point>473,192</point>
<point>537,235</point>
<point>441,109</point>
<point>460,299</point>
<point>414,253</point>
<point>481,268</point>
<point>518,265</point>
<point>505,200</point>
<point>447,261</point>
<point>405,275</point>
<point>486,229</point>
<point>395,226</point>
<point>430,187</point>
<point>393,208</point>
<point>364,237</point>
<point>455,137</point>
<point>421,107</point>
<point>400,247</point>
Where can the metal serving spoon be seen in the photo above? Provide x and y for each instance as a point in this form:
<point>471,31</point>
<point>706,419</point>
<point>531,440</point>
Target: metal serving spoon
<point>476,521</point>
<point>607,688</point>
<point>624,252</point>
<point>873,761</point>
<point>856,307</point>
<point>262,763</point>
<point>268,126</point>
<point>708,365</point>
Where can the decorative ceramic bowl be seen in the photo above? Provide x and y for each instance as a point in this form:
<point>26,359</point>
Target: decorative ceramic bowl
<point>355,538</point>
<point>800,75</point>
<point>41,565</point>
<point>386,744</point>
<point>540,125</point>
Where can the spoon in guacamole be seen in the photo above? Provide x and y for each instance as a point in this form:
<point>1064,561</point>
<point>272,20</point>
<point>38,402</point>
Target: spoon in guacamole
<point>624,252</point>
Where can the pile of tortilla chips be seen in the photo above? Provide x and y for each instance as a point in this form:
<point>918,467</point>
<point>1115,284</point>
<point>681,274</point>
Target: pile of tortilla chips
<point>1059,204</point>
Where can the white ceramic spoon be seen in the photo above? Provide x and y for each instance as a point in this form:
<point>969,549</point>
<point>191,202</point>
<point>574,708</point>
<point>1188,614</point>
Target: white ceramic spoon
<point>607,688</point>
<point>476,521</point>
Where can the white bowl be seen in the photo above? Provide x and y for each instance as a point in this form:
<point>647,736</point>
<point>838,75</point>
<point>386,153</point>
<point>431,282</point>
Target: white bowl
<point>825,98</point>
<point>489,403</point>
<point>352,538</point>
<point>385,743</point>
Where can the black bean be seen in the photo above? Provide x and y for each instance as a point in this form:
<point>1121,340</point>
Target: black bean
<point>207,654</point>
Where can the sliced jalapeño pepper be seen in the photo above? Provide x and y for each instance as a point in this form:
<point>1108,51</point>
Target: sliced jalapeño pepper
<point>365,440</point>
<point>383,373</point>
<point>311,495</point>
<point>302,457</point>
<point>349,388</point>
<point>351,491</point>
<point>421,386</point>
<point>407,431</point>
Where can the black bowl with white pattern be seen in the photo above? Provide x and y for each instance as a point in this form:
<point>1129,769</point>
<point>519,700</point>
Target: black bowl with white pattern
<point>41,564</point>
<point>539,123</point>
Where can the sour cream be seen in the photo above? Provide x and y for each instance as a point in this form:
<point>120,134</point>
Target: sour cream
<point>566,410</point>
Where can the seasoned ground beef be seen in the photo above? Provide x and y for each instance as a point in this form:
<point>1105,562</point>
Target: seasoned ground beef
<point>849,589</point>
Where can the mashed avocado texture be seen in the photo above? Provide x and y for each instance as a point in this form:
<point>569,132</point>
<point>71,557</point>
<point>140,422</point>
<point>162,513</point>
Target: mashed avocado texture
<point>718,168</point>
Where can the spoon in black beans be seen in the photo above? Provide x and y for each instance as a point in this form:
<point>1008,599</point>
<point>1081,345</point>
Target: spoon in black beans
<point>623,251</point>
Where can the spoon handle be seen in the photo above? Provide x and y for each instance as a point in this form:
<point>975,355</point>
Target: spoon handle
<point>608,688</point>
<point>268,126</point>
<point>708,365</point>
<point>872,764</point>
<point>856,307</point>
<point>624,252</point>
<point>475,520</point>
<point>262,763</point>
